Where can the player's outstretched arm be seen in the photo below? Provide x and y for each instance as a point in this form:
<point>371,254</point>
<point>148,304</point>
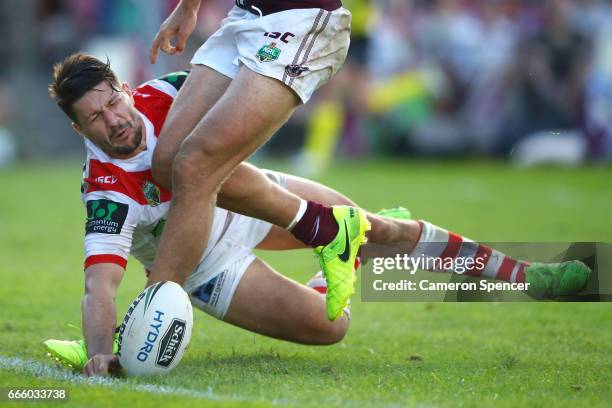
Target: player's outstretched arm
<point>99,317</point>
<point>180,24</point>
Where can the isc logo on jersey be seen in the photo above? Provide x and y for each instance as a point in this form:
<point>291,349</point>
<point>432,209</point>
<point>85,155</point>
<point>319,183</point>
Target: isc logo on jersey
<point>156,330</point>
<point>106,180</point>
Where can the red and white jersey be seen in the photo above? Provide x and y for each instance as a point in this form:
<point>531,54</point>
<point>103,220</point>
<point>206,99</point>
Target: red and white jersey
<point>126,208</point>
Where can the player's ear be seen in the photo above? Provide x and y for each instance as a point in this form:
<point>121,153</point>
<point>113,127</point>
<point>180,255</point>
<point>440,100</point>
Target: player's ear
<point>78,129</point>
<point>128,90</point>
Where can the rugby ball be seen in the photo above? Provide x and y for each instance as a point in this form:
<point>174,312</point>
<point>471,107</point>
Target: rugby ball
<point>156,330</point>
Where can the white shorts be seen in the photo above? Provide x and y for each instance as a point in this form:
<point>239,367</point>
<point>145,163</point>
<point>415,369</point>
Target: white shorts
<point>212,285</point>
<point>303,48</point>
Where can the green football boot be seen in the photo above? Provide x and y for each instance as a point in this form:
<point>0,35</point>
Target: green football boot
<point>69,353</point>
<point>398,213</point>
<point>337,259</point>
<point>72,353</point>
<point>548,281</point>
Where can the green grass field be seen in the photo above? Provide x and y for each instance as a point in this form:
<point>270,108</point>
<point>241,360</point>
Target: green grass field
<point>396,354</point>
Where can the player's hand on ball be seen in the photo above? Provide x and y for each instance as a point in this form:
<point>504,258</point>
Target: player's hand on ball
<point>179,24</point>
<point>102,365</point>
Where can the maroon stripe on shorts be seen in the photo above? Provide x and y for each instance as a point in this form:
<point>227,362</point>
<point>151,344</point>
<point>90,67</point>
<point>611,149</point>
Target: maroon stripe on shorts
<point>304,42</point>
<point>276,6</point>
<point>314,39</point>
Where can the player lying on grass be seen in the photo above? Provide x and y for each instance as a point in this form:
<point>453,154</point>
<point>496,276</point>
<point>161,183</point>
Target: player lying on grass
<point>126,213</point>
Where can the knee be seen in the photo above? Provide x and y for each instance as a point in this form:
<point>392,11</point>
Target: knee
<point>195,163</point>
<point>381,229</point>
<point>326,333</point>
<point>161,166</point>
<point>338,331</point>
<point>211,143</point>
<point>203,157</point>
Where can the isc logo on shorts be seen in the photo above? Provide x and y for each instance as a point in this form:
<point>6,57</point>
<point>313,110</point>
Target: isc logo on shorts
<point>284,37</point>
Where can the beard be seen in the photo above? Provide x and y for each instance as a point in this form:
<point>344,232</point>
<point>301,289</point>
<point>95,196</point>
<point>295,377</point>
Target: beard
<point>131,144</point>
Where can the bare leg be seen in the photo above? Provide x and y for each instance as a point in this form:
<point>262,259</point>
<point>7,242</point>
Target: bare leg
<point>250,192</point>
<point>384,230</point>
<point>247,191</point>
<point>279,238</point>
<point>252,108</point>
<point>262,292</point>
<point>389,237</point>
<point>201,90</point>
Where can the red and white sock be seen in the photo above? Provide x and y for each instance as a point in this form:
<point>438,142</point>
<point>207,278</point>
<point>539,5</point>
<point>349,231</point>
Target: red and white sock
<point>318,283</point>
<point>437,242</point>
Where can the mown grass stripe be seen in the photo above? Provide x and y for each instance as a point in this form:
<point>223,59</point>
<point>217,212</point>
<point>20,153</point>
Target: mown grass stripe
<point>35,368</point>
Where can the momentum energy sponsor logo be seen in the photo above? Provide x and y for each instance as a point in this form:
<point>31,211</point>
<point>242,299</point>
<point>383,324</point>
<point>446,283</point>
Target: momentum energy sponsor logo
<point>171,342</point>
<point>105,216</point>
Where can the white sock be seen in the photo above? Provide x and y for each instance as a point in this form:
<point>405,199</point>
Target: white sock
<point>299,215</point>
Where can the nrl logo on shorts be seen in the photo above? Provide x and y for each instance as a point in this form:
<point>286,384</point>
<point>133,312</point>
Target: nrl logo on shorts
<point>268,53</point>
<point>151,192</point>
<point>295,70</point>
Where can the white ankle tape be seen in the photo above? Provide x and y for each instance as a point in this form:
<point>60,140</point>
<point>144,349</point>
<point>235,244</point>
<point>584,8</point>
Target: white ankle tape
<point>300,213</point>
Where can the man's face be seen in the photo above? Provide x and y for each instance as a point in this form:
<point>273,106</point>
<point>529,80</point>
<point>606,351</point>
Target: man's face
<point>108,118</point>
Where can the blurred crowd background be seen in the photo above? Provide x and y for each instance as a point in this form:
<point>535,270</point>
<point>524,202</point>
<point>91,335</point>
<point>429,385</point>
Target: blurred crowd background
<point>528,80</point>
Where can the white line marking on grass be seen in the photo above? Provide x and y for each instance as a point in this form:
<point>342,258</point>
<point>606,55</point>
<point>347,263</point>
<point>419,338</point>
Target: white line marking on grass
<point>38,369</point>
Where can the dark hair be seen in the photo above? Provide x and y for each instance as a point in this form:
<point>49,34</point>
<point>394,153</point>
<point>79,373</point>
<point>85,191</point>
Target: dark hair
<point>78,74</point>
